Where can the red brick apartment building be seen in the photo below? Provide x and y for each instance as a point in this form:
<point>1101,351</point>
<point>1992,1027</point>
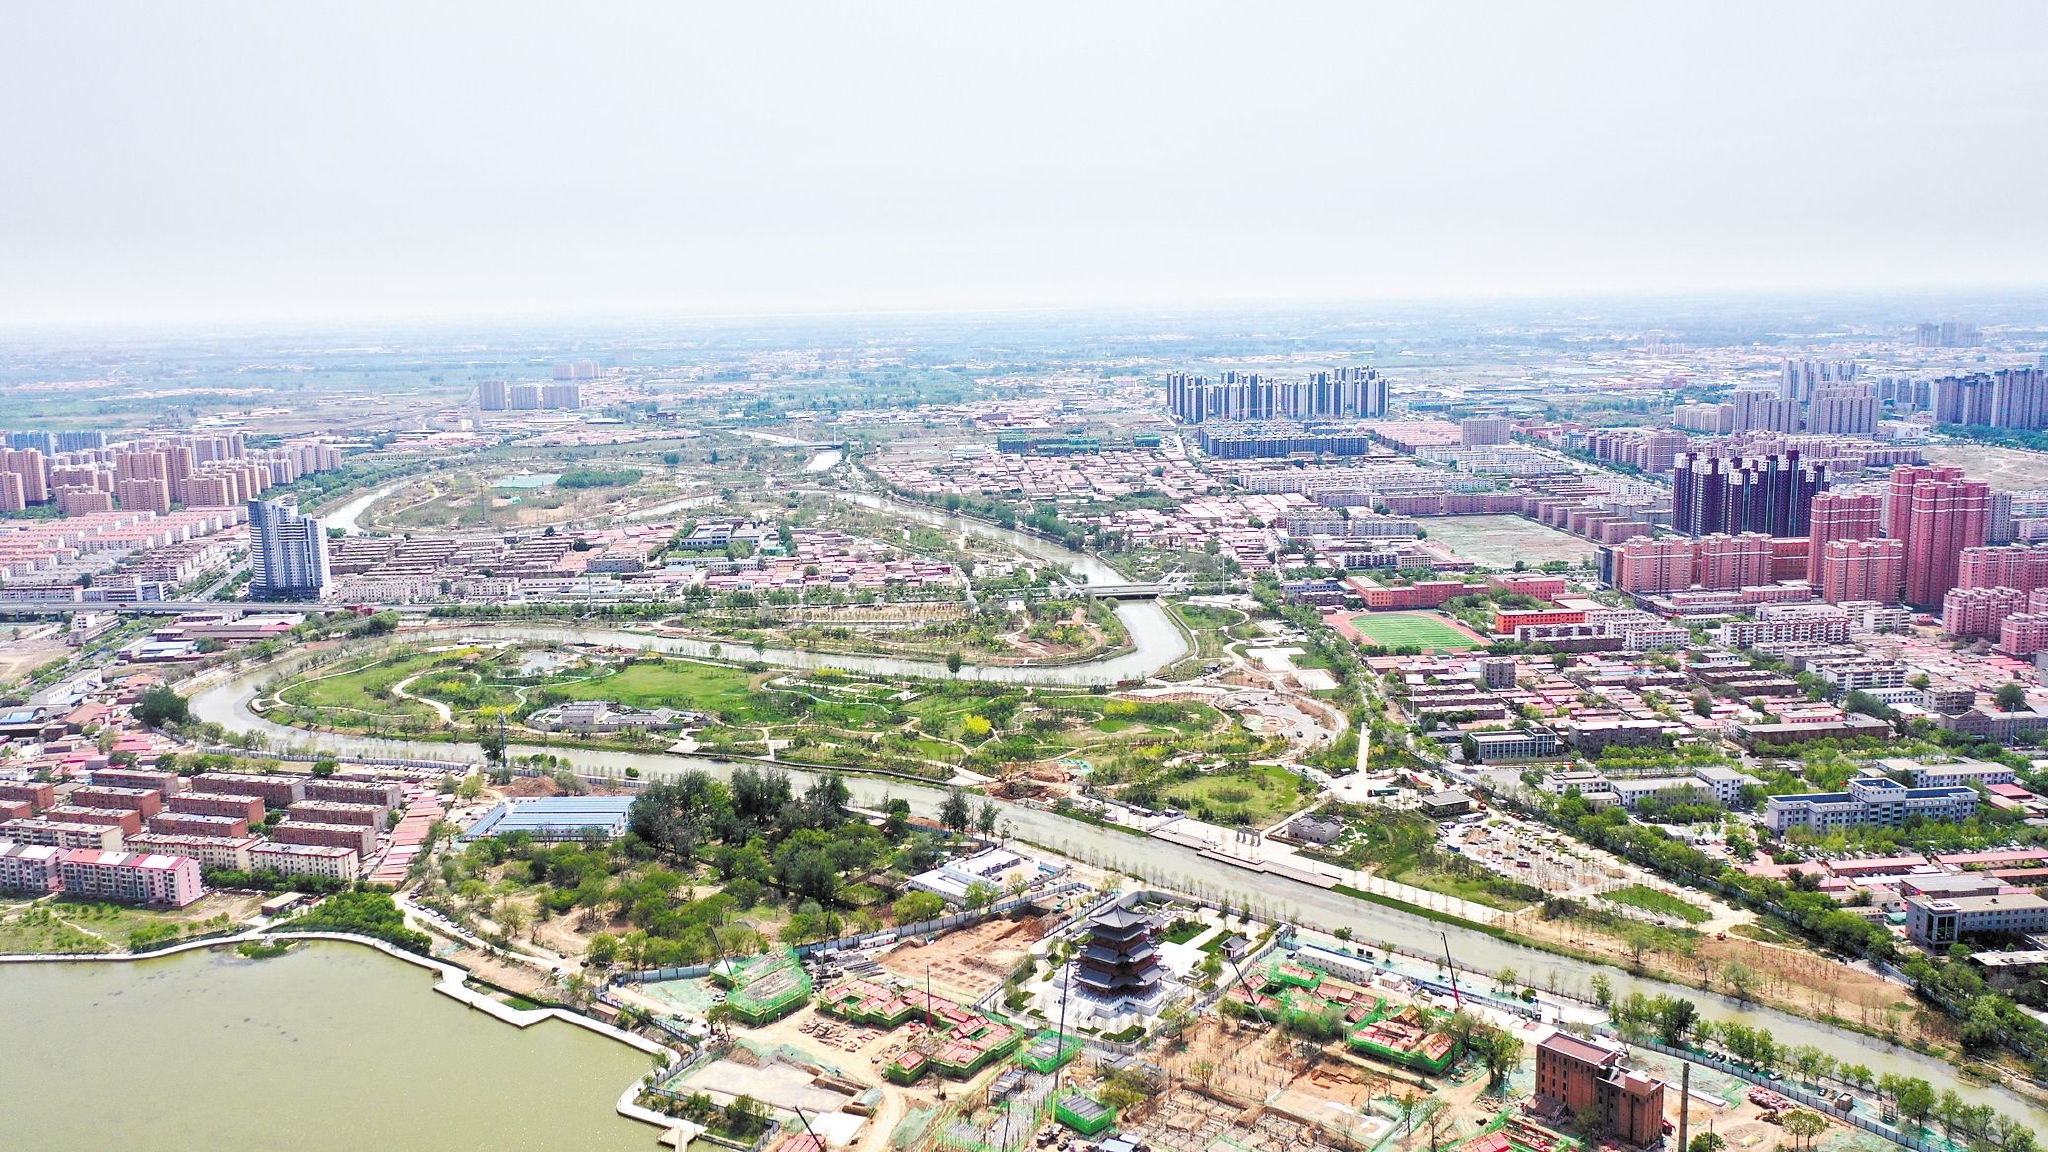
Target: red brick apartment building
<point>1840,516</point>
<point>1506,621</point>
<point>1584,1074</point>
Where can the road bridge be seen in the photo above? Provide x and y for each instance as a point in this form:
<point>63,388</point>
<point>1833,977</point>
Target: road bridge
<point>235,608</point>
<point>1171,586</point>
<point>137,607</point>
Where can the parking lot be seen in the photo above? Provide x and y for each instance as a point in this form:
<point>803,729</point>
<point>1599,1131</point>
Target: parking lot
<point>1533,854</point>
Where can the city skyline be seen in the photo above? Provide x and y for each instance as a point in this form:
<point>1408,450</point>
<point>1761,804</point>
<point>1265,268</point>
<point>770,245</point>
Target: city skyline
<point>1158,577</point>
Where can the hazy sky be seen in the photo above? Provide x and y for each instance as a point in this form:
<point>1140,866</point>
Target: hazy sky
<point>194,160</point>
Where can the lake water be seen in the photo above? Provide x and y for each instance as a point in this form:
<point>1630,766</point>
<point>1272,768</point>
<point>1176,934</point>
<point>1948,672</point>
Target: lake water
<point>530,480</point>
<point>329,1048</point>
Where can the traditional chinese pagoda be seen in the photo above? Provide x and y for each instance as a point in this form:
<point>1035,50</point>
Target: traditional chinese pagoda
<point>1120,961</point>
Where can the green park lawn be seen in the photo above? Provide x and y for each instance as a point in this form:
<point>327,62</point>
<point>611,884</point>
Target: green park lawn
<point>678,684</point>
<point>1663,903</point>
<point>1259,794</point>
<point>363,690</point>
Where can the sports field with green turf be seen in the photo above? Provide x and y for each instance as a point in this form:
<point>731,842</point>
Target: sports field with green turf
<point>1425,630</point>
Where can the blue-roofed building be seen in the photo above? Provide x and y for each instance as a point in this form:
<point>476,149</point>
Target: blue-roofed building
<point>1871,800</point>
<point>556,818</point>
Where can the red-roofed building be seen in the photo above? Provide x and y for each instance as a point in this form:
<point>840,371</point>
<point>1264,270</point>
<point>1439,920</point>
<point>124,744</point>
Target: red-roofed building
<point>2005,858</point>
<point>1876,865</point>
<point>1540,586</point>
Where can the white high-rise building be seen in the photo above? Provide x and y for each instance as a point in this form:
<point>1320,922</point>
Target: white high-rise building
<point>287,553</point>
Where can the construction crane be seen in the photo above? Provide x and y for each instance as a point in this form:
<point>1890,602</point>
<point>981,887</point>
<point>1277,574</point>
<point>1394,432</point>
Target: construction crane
<point>1452,965</point>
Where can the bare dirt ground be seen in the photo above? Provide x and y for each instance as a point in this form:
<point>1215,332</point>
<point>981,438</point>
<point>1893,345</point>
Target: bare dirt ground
<point>967,964</point>
<point>1499,541</point>
<point>2002,467</point>
<point>1192,1117</point>
<point>18,660</point>
<point>861,1053</point>
<point>1788,978</point>
<point>525,786</point>
<point>516,978</point>
<point>561,935</point>
<point>842,1043</point>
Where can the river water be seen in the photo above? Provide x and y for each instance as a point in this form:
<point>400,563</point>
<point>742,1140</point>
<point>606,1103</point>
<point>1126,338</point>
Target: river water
<point>329,1048</point>
<point>1185,869</point>
<point>1157,641</point>
<point>349,516</point>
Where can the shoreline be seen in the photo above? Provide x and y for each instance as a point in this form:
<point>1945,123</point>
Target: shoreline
<point>452,984</point>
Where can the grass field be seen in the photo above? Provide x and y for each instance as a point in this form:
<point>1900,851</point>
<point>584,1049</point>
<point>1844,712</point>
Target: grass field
<point>1401,846</point>
<point>80,927</point>
<point>677,684</point>
<point>1499,541</point>
<point>1258,794</point>
<point>364,691</point>
<point>1425,630</point>
<point>1663,903</point>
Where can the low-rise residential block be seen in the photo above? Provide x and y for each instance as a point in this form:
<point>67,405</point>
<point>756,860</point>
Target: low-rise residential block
<point>361,837</point>
<point>277,791</point>
<point>229,852</point>
<point>131,877</point>
<point>162,783</point>
<point>127,820</point>
<point>30,868</point>
<point>146,802</point>
<point>306,860</point>
<point>198,824</point>
<point>372,816</point>
<point>62,834</point>
<point>249,808</point>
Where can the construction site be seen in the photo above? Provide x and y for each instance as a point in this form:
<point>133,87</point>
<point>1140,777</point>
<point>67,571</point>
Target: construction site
<point>763,988</point>
<point>938,1035</point>
<point>1299,1047</point>
<point>969,963</point>
<point>1309,1002</point>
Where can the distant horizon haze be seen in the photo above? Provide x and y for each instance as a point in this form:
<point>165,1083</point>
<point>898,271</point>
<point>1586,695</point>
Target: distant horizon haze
<point>215,162</point>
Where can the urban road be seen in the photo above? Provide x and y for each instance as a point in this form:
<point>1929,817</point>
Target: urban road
<point>1166,865</point>
<point>1152,860</point>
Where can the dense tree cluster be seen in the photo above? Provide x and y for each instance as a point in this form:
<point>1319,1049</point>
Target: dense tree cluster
<point>372,914</point>
<point>756,836</point>
<point>160,706</point>
<point>1675,1021</point>
<point>598,478</point>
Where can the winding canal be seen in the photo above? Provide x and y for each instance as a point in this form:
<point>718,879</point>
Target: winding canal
<point>1178,867</point>
<point>1157,642</point>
